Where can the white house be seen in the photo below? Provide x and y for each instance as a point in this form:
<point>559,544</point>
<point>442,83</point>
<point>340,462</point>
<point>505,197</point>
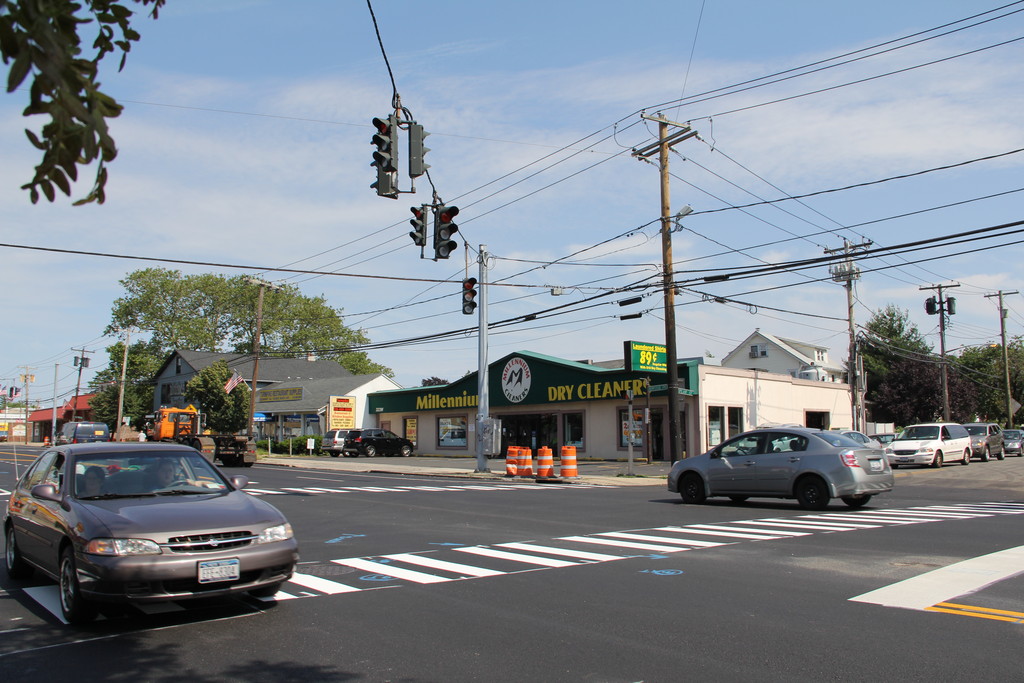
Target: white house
<point>767,353</point>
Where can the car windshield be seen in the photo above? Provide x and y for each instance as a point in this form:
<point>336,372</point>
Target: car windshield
<point>976,430</point>
<point>1011,433</point>
<point>113,475</point>
<point>919,432</point>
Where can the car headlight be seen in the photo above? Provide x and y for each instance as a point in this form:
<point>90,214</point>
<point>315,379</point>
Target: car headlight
<point>122,546</point>
<point>281,532</point>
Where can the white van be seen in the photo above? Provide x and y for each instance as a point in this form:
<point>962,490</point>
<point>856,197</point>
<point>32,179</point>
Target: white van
<point>930,444</point>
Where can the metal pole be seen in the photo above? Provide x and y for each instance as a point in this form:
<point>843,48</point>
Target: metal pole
<point>483,397</point>
<point>53,417</point>
<point>120,391</point>
<point>1006,356</point>
<point>675,448</point>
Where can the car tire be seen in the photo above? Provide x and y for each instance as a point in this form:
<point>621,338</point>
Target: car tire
<point>967,457</point>
<point>1001,455</point>
<point>987,455</point>
<point>370,451</point>
<point>406,451</point>
<point>812,493</point>
<point>266,591</point>
<point>75,608</point>
<point>334,454</point>
<point>691,489</point>
<point>936,460</point>
<point>17,567</point>
<point>856,501</point>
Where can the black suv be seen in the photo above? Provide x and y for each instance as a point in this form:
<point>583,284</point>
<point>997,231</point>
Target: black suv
<point>371,442</point>
<point>83,432</point>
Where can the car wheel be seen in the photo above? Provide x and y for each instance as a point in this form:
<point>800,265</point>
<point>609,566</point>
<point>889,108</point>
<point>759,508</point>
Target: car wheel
<point>266,591</point>
<point>967,456</point>
<point>17,568</point>
<point>1002,454</point>
<point>739,499</point>
<point>937,459</point>
<point>370,451</point>
<point>856,501</point>
<point>406,451</point>
<point>691,489</point>
<point>812,493</point>
<point>987,455</point>
<point>334,454</point>
<point>75,608</point>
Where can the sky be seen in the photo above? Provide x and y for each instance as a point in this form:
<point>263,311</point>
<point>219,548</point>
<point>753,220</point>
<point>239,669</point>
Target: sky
<point>245,141</point>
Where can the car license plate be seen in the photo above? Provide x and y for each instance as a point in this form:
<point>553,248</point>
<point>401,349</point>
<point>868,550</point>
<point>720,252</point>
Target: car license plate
<point>876,465</point>
<point>904,459</point>
<point>219,570</point>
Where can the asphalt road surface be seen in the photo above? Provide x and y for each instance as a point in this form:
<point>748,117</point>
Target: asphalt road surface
<point>412,577</point>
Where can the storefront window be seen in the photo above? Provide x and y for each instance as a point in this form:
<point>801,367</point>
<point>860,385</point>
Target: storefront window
<point>572,429</point>
<point>410,430</point>
<point>716,415</point>
<point>735,421</point>
<point>633,432</point>
<point>451,432</point>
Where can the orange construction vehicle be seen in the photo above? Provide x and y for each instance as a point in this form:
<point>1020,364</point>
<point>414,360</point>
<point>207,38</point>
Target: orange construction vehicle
<point>183,425</point>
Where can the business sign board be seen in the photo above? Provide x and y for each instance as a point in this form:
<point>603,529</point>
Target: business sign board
<point>341,412</point>
<point>645,357</point>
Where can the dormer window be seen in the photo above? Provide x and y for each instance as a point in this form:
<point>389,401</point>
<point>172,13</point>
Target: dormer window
<point>819,354</point>
<point>758,350</point>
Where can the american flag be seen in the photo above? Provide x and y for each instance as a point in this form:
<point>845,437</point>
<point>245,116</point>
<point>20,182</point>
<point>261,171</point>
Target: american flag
<point>233,382</point>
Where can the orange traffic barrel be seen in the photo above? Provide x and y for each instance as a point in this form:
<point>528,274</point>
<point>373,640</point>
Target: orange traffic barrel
<point>545,462</point>
<point>46,441</point>
<point>511,461</point>
<point>525,462</point>
<point>568,462</point>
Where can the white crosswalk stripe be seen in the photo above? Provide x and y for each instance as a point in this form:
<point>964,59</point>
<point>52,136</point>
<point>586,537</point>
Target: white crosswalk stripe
<point>516,557</point>
<point>322,490</point>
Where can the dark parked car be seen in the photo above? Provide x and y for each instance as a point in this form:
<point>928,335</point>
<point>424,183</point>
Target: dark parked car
<point>810,465</point>
<point>371,442</point>
<point>986,440</point>
<point>1012,439</point>
<point>131,522</point>
<point>83,432</point>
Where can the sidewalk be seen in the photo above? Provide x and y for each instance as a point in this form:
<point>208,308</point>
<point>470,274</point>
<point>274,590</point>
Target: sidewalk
<point>606,473</point>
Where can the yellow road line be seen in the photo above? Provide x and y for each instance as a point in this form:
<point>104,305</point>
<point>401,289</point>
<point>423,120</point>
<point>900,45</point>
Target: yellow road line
<point>981,612</point>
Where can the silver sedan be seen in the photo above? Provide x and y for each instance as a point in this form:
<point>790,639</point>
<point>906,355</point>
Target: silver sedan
<point>809,465</point>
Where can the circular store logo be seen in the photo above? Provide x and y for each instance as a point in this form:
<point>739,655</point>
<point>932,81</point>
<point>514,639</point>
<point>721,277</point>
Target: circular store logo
<point>515,380</point>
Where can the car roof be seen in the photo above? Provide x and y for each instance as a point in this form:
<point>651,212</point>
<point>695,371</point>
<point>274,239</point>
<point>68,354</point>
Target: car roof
<point>126,447</point>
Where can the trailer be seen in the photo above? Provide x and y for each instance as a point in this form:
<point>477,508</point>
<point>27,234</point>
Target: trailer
<point>182,425</point>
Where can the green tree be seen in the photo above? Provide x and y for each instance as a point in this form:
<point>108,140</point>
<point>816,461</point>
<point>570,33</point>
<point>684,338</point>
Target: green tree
<point>44,38</point>
<point>912,392</point>
<point>225,413</point>
<point>983,364</point>
<point>209,312</point>
<point>890,339</point>
<point>433,382</point>
<point>144,360</point>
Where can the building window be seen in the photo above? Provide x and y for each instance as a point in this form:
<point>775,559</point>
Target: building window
<point>735,421</point>
<point>758,350</point>
<point>634,432</point>
<point>716,415</point>
<point>451,432</point>
<point>572,430</point>
<point>819,354</point>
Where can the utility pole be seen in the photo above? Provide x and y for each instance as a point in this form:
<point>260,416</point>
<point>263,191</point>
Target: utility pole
<point>82,362</point>
<point>942,307</point>
<point>664,143</point>
<point>53,411</point>
<point>1006,355</point>
<point>262,284</point>
<point>848,272</point>
<point>482,380</point>
<point>120,392</point>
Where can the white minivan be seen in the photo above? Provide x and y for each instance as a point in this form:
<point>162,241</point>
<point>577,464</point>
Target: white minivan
<point>930,444</point>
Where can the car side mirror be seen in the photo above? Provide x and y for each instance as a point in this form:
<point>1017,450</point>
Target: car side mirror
<point>47,492</point>
<point>239,481</point>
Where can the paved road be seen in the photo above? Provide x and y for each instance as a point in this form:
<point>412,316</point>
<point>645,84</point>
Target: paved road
<point>420,577</point>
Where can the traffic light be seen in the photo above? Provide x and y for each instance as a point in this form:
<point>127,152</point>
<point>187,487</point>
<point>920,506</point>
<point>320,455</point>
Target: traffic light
<point>444,231</point>
<point>417,151</point>
<point>419,225</point>
<point>385,157</point>
<point>469,295</point>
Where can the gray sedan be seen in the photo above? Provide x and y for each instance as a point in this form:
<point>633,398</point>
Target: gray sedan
<point>809,465</point>
<point>120,522</point>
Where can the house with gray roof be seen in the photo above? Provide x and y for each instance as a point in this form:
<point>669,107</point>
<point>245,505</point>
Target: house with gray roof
<point>767,353</point>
